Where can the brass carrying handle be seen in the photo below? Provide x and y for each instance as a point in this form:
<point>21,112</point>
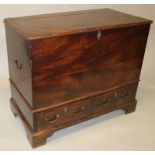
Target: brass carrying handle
<point>99,34</point>
<point>18,65</point>
<point>79,111</point>
<point>51,120</point>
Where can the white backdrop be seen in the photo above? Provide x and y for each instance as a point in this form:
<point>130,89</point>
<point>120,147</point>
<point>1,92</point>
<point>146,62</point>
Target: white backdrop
<point>126,132</point>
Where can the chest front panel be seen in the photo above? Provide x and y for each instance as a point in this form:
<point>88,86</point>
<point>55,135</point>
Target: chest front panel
<point>75,66</point>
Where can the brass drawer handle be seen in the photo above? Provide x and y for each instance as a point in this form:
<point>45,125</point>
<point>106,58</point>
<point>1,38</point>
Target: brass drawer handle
<point>80,111</point>
<point>99,34</point>
<point>104,102</point>
<point>51,120</point>
<point>18,65</point>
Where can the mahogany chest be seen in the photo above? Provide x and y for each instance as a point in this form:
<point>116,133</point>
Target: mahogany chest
<point>66,68</point>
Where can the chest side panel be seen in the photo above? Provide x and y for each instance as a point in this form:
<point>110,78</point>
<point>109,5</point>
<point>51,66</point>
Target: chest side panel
<point>75,66</point>
<point>19,64</point>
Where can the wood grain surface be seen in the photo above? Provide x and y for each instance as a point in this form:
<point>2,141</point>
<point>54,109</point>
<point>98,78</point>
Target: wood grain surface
<point>43,26</point>
<point>69,67</point>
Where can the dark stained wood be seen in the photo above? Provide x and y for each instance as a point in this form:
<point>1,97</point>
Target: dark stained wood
<point>64,67</point>
<point>35,139</point>
<point>27,112</point>
<point>64,114</point>
<point>18,50</point>
<point>67,68</point>
<point>118,98</point>
<point>39,138</point>
<point>44,26</point>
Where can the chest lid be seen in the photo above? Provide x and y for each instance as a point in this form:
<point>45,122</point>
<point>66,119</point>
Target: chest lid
<point>48,25</point>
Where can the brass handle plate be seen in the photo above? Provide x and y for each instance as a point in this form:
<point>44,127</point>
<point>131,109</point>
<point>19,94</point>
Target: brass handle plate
<point>51,120</point>
<point>104,102</point>
<point>18,65</point>
<point>80,111</point>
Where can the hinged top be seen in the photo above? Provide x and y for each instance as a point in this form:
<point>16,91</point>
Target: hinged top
<point>48,25</point>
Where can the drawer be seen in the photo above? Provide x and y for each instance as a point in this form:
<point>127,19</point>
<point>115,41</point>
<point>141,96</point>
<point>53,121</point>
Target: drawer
<point>80,109</point>
<point>50,118</point>
<point>64,114</point>
<point>114,99</point>
<point>103,102</point>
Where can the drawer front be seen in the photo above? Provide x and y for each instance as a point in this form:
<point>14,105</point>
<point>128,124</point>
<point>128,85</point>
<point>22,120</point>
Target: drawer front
<point>64,114</point>
<point>72,66</point>
<point>114,99</point>
<point>126,94</point>
<point>103,102</point>
<point>79,110</point>
<point>67,114</point>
